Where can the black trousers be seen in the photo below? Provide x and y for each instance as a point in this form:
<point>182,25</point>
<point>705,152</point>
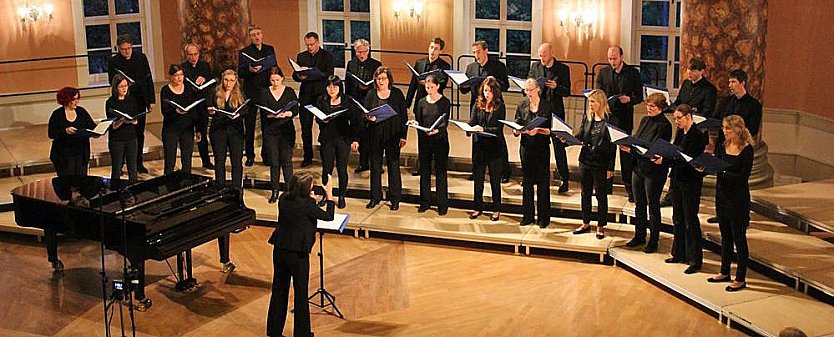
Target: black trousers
<point>140,140</point>
<point>734,234</point>
<point>625,173</point>
<point>231,140</point>
<point>647,191</point>
<point>73,165</point>
<point>364,150</point>
<point>594,182</point>
<point>434,148</point>
<point>561,155</point>
<point>177,138</point>
<point>335,152</point>
<point>288,265</point>
<point>203,145</point>
<point>480,161</point>
<point>686,201</point>
<point>279,150</point>
<point>121,152</point>
<point>391,149</point>
<point>249,121</point>
<point>535,167</point>
<point>306,118</point>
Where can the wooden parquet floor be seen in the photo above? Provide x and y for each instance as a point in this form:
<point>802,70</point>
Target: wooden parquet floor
<point>384,288</point>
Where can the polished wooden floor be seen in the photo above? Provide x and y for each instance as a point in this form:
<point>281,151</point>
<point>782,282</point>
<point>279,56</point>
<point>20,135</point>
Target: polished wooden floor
<point>384,288</point>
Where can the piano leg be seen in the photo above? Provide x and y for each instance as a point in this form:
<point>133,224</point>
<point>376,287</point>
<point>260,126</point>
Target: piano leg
<point>223,245</point>
<point>191,281</point>
<point>186,280</point>
<point>51,242</point>
<point>142,303</point>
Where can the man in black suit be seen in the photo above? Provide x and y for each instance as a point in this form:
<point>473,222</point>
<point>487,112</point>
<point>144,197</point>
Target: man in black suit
<point>198,72</point>
<point>255,78</point>
<point>556,89</point>
<point>311,88</point>
<point>135,66</point>
<point>362,66</point>
<point>417,87</point>
<point>621,82</point>
<point>741,103</point>
<point>484,66</point>
<point>293,241</point>
<point>697,91</point>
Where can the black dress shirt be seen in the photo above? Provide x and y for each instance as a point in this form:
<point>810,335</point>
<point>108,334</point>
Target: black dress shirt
<point>171,119</point>
<point>560,73</point>
<point>346,125</point>
<point>297,219</point>
<point>202,68</point>
<point>312,88</point>
<point>222,121</point>
<point>699,95</point>
<point>625,83</point>
<point>278,126</point>
<point>692,144</point>
<point>416,92</point>
<point>365,71</point>
<point>651,129</point>
<point>252,83</point>
<point>64,144</point>
<point>493,68</point>
<point>395,126</point>
<point>523,115</point>
<point>427,114</point>
<point>138,69</point>
<point>747,107</point>
<point>126,131</point>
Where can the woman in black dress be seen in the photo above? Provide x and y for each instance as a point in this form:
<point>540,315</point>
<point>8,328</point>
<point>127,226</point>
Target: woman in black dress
<point>596,162</point>
<point>488,151</point>
<point>387,137</point>
<point>433,145</point>
<point>122,141</point>
<point>338,135</point>
<point>177,124</point>
<point>278,129</point>
<point>648,175</point>
<point>732,200</point>
<point>292,242</point>
<point>535,155</point>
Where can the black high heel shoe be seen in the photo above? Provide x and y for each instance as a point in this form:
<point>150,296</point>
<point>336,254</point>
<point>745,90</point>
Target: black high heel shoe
<point>341,203</point>
<point>371,204</point>
<point>474,215</point>
<point>274,197</point>
<point>585,228</point>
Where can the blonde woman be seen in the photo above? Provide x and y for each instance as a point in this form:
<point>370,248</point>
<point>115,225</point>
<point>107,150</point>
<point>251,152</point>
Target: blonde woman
<point>732,200</point>
<point>535,155</point>
<point>596,161</point>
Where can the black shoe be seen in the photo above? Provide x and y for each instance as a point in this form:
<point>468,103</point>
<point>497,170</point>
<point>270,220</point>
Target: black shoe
<point>650,247</point>
<point>471,177</point>
<point>505,179</point>
<point>564,187</point>
<point>415,172</point>
<point>341,203</point>
<point>249,162</point>
<point>692,269</point>
<point>730,288</point>
<point>208,166</point>
<point>142,169</point>
<point>526,222</point>
<point>631,198</point>
<point>442,212</point>
<point>371,204</point>
<point>666,201</point>
<point>582,229</point>
<point>306,163</point>
<point>474,215</point>
<point>634,242</point>
<point>422,209</point>
<point>394,206</point>
<point>274,197</point>
<point>674,260</point>
<point>713,219</point>
<point>600,233</point>
<point>495,216</point>
<point>712,279</point>
<point>361,168</point>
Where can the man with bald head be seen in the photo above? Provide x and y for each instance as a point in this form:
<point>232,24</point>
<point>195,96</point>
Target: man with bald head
<point>198,72</point>
<point>622,83</point>
<point>556,89</point>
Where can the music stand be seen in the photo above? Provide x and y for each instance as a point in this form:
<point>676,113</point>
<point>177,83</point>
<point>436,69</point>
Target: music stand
<point>338,223</point>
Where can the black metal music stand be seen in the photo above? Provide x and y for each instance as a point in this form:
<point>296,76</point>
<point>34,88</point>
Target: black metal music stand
<point>325,295</point>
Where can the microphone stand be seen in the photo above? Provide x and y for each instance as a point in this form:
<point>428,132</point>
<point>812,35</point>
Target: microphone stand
<point>103,271</point>
<point>126,275</point>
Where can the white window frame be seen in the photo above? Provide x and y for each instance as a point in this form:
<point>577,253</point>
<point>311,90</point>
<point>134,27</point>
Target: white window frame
<point>671,33</point>
<point>345,16</point>
<point>112,20</point>
<point>503,25</point>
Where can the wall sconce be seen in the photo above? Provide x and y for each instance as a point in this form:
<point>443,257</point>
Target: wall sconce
<point>582,17</point>
<point>34,13</point>
<point>412,8</point>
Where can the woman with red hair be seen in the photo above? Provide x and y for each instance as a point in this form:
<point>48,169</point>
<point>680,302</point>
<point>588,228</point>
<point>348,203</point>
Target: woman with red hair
<point>70,152</point>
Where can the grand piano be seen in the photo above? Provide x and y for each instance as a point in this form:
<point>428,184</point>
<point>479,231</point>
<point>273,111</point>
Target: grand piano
<point>154,219</point>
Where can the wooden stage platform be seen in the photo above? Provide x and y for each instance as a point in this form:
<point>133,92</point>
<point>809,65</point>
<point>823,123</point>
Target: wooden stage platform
<point>790,285</point>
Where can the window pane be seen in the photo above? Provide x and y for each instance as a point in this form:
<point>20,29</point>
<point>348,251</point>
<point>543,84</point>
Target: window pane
<point>490,35</point>
<point>677,48</point>
<point>362,6</point>
<point>360,30</point>
<point>677,75</point>
<point>653,73</point>
<point>98,36</point>
<point>520,10</point>
<point>338,52</point>
<point>518,41</point>
<point>518,66</point>
<point>654,47</point>
<point>127,7</point>
<point>131,28</point>
<point>333,5</point>
<point>334,31</point>
<point>487,9</point>
<point>95,8</point>
<point>678,13</point>
<point>97,61</point>
<point>655,13</point>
